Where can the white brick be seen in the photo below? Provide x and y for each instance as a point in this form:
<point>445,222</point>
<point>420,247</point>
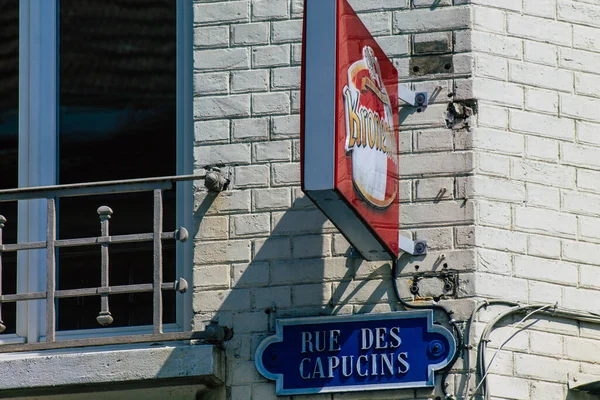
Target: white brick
<point>272,249</point>
<point>270,9</point>
<point>581,203</point>
<point>545,368</point>
<point>539,29</point>
<point>222,107</point>
<point>221,59</point>
<point>436,188</point>
<point>493,164</point>
<point>543,196</point>
<point>444,18</point>
<point>586,38</point>
<point>495,262</point>
<point>222,251</point>
<point>548,293</point>
<point>272,151</point>
<point>587,84</point>
<point>589,276</point>
<point>581,252</point>
<point>285,174</point>
<point>311,295</point>
<point>544,173</point>
<point>222,300</point>
<point>253,128</point>
<point>285,78</point>
<point>251,176</point>
<point>541,100</point>
<point>228,201</point>
<point>223,154</point>
<point>584,300</point>
<point>233,11</point>
<point>498,189</point>
<point>546,270</point>
<point>279,296</point>
<point>271,103</point>
<point>577,60</point>
<point>545,221</point>
<point>541,53</point>
<point>250,274</point>
<point>211,277</point>
<point>540,8</point>
<point>513,5</point>
<point>270,56</point>
<point>271,199</point>
<point>436,163</point>
<point>492,67</point>
<point>251,224</point>
<point>541,149</point>
<point>489,19</point>
<point>248,34</point>
<point>498,286</point>
<point>311,246</point>
<point>285,126</point>
<point>215,83</point>
<point>497,44</point>
<point>286,31</point>
<point>544,246</point>
<point>499,239</point>
<point>589,180</point>
<point>211,131</point>
<point>213,228</point>
<point>495,117</point>
<point>495,214</point>
<point>436,214</point>
<point>578,12</point>
<point>541,76</point>
<point>582,349</point>
<point>296,222</point>
<point>545,125</point>
<point>499,141</point>
<point>588,132</point>
<point>583,156</point>
<point>393,46</point>
<point>498,92</point>
<point>250,81</point>
<point>214,36</point>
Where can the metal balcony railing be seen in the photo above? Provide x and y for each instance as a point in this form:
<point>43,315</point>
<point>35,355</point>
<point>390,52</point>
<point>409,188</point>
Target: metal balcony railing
<point>213,333</point>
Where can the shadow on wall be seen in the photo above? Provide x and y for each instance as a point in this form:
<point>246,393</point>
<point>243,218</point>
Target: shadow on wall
<point>300,267</point>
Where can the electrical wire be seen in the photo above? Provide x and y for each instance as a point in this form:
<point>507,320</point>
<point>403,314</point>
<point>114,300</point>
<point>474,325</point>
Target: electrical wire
<point>506,340</point>
<point>448,314</point>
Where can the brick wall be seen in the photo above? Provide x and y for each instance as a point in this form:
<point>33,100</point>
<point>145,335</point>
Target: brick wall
<point>507,198</point>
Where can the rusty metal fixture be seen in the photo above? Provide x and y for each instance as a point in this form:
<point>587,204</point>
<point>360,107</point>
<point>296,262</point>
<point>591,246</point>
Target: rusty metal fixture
<point>215,181</point>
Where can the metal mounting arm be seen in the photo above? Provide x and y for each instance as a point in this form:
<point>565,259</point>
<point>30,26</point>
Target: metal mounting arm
<point>416,99</point>
<point>412,247</point>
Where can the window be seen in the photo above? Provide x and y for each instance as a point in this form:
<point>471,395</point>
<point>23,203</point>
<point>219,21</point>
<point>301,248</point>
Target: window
<point>93,90</point>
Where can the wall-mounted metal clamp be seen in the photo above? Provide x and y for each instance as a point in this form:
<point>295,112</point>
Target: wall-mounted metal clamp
<point>416,99</point>
<point>412,247</point>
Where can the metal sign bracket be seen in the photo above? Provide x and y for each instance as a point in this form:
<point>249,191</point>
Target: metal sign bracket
<point>416,99</point>
<point>412,247</point>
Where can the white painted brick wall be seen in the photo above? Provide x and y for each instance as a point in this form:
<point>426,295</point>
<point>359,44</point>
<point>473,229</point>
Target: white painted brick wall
<point>512,202</point>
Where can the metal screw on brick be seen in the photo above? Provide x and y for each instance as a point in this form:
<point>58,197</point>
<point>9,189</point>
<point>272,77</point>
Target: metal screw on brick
<point>420,248</point>
<point>104,318</point>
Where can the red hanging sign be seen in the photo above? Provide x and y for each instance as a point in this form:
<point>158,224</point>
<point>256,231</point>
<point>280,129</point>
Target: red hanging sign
<point>350,128</point>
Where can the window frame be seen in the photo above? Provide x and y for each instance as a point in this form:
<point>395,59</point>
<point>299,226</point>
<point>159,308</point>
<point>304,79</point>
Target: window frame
<point>39,22</point>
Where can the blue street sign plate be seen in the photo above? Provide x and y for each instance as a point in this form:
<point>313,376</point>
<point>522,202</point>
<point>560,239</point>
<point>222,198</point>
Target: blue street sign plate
<point>355,352</point>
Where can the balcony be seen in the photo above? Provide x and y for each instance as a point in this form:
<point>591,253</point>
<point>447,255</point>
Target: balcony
<point>142,358</point>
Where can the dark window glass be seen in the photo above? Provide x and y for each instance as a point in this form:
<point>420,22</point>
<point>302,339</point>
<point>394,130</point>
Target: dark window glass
<point>117,121</point>
<point>9,123</point>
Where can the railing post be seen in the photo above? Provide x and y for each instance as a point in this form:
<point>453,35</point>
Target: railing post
<point>104,318</point>
<point>157,252</point>
<point>51,272</point>
<point>2,222</point>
